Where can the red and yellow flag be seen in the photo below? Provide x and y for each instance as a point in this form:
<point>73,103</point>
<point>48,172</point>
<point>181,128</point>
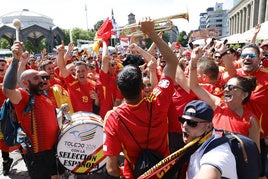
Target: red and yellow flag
<point>104,33</point>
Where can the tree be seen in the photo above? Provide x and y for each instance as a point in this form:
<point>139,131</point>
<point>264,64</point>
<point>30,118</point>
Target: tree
<point>78,33</point>
<point>183,38</point>
<point>97,25</point>
<point>4,44</point>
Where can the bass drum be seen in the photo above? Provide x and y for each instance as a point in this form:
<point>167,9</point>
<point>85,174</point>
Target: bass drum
<point>79,147</point>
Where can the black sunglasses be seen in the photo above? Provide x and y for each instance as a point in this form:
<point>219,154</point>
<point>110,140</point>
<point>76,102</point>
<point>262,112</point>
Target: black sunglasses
<point>190,122</point>
<point>231,87</point>
<point>45,77</point>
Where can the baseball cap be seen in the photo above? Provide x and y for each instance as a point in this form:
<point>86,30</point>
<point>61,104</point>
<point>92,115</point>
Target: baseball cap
<point>198,109</point>
<point>264,44</point>
<point>186,53</point>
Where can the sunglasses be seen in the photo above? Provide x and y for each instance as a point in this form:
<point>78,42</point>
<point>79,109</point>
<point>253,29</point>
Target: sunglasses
<point>251,55</point>
<point>45,77</point>
<point>190,122</point>
<point>231,87</point>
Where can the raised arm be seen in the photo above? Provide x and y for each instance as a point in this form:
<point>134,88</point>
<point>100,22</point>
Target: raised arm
<point>256,31</point>
<point>67,55</point>
<point>22,66</point>
<point>147,26</point>
<point>105,57</point>
<point>145,54</point>
<point>152,65</point>
<point>61,63</point>
<point>200,92</point>
<point>10,78</point>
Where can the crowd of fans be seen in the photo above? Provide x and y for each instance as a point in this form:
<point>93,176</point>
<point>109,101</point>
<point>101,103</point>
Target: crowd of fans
<point>232,81</point>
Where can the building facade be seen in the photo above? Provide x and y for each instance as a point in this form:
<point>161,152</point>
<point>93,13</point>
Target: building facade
<point>246,14</point>
<point>217,18</point>
<point>34,27</point>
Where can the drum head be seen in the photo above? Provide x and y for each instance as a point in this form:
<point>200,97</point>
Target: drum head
<point>80,144</point>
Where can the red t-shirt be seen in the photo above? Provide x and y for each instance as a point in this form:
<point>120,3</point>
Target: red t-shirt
<point>106,89</point>
<point>136,117</point>
<point>44,121</point>
<point>80,94</point>
<point>179,99</point>
<point>258,100</point>
<point>225,118</point>
<point>215,88</point>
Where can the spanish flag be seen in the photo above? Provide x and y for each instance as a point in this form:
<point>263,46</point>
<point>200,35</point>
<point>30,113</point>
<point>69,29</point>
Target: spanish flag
<point>104,33</point>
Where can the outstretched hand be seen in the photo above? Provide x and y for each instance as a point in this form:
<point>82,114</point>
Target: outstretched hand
<point>197,53</point>
<point>60,49</point>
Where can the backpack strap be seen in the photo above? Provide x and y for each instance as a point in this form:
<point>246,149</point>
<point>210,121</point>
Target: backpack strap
<point>29,108</point>
<point>215,143</point>
<point>149,127</point>
<point>127,129</point>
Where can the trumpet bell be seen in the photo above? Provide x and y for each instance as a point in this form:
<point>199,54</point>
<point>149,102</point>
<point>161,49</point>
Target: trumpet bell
<point>161,24</point>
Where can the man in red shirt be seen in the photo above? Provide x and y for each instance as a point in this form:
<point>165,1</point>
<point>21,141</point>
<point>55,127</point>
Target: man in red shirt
<point>106,85</point>
<point>80,88</point>
<point>40,123</point>
<point>135,112</point>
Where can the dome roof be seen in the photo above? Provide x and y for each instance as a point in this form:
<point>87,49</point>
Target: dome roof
<point>27,18</point>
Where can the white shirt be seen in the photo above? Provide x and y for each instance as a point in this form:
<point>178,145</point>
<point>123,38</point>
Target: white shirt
<point>221,157</point>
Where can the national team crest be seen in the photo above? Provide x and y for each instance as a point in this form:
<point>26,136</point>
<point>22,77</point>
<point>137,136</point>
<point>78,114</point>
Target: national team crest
<point>164,83</point>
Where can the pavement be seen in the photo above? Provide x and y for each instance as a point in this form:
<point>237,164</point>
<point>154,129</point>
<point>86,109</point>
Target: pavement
<point>18,170</point>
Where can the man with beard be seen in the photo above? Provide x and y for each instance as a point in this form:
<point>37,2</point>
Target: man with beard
<point>250,61</point>
<point>216,163</point>
<point>40,123</point>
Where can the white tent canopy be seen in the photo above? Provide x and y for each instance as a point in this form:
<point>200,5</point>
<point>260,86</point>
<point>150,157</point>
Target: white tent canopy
<point>235,38</point>
<point>262,35</point>
<point>199,42</point>
<point>247,36</point>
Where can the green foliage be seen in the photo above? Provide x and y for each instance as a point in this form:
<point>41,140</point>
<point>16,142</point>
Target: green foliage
<point>78,33</point>
<point>183,38</point>
<point>235,46</point>
<point>33,49</point>
<point>4,44</point>
<point>97,25</point>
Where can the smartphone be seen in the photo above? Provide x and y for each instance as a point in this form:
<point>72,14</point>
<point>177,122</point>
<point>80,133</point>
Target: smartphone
<point>191,45</point>
<point>212,42</point>
<point>225,41</point>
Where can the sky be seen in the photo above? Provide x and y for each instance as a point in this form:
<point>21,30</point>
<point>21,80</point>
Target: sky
<point>68,14</point>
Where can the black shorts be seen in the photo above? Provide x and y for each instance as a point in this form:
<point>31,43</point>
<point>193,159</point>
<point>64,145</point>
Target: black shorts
<point>43,165</point>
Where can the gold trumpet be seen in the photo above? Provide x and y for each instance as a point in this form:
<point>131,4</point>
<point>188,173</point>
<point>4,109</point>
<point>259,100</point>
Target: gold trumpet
<point>161,24</point>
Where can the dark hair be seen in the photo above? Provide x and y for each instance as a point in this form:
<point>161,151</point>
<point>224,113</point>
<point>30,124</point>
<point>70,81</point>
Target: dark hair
<point>248,84</point>
<point>44,63</point>
<point>78,63</point>
<point>133,59</point>
<point>254,46</point>
<point>129,81</point>
<point>209,67</point>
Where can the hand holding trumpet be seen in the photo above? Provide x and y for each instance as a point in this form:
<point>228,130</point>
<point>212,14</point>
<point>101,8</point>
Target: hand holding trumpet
<point>147,25</point>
